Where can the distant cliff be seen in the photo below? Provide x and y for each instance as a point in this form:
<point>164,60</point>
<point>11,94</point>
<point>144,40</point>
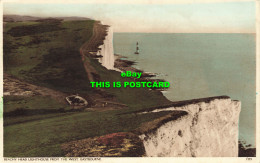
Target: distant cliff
<point>107,50</point>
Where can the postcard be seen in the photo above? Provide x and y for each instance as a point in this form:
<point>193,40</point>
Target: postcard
<point>133,81</point>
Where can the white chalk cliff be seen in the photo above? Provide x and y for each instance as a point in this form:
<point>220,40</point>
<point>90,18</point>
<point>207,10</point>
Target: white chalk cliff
<point>210,129</point>
<point>107,50</point>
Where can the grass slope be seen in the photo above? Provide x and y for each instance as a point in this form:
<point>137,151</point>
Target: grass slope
<point>49,56</point>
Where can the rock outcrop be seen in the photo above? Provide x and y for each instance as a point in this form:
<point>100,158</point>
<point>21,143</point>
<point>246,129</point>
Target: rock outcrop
<point>76,100</point>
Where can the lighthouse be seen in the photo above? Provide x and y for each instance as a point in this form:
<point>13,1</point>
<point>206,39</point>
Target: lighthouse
<point>137,48</point>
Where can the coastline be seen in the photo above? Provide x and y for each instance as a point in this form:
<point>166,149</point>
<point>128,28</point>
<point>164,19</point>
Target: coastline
<point>123,64</point>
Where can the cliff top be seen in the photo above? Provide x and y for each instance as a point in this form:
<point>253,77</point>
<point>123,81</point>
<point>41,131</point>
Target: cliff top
<point>185,102</point>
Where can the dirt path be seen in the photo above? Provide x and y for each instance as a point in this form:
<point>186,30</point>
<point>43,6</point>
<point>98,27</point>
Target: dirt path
<point>102,101</point>
<point>91,47</point>
<point>99,34</point>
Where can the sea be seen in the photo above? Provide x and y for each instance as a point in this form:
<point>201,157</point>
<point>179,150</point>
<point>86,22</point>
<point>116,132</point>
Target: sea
<point>199,65</point>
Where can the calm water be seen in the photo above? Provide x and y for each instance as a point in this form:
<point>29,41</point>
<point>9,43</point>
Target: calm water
<point>200,65</point>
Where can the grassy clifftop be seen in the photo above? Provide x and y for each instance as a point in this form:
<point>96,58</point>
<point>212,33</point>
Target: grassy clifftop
<point>43,57</point>
<point>46,53</point>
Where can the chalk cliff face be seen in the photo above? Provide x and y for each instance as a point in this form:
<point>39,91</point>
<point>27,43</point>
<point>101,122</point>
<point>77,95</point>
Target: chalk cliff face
<point>107,50</point>
<point>210,129</point>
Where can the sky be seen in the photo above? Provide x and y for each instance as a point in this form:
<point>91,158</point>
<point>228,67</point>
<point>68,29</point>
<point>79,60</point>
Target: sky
<point>221,17</point>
